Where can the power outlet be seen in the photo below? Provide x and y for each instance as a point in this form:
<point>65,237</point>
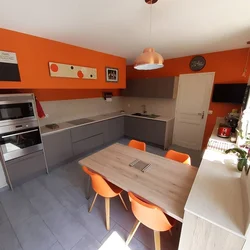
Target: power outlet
<point>210,112</point>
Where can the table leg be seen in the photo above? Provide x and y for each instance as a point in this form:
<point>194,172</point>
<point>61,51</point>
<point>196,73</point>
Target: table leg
<point>87,186</point>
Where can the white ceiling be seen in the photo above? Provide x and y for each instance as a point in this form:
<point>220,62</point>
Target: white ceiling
<point>121,27</point>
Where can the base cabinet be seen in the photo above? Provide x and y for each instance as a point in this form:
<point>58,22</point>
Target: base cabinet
<point>198,234</point>
<point>147,130</point>
<point>113,129</point>
<point>57,147</point>
<point>88,144</point>
<point>26,167</point>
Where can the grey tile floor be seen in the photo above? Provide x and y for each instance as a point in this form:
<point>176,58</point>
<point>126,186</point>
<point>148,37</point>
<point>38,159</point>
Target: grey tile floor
<point>51,213</point>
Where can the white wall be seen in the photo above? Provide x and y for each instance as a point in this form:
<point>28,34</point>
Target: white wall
<point>3,182</point>
<point>158,106</point>
<point>66,110</point>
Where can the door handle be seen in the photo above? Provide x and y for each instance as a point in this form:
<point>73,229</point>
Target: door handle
<point>202,114</point>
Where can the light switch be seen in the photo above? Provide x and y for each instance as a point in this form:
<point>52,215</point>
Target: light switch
<point>210,112</point>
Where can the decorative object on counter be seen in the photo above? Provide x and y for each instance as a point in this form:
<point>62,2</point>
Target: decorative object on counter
<point>224,130</point>
<point>39,109</point>
<point>232,120</point>
<point>71,71</point>
<point>197,63</point>
<point>233,137</point>
<point>112,74</point>
<point>242,157</point>
<point>149,59</point>
<point>108,96</point>
<point>9,70</point>
<point>52,126</point>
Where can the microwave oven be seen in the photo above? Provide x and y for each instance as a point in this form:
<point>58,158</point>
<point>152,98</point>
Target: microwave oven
<point>15,112</point>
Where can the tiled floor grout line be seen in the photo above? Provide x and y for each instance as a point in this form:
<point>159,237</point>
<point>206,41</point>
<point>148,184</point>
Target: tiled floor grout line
<point>11,224</point>
<point>41,219</point>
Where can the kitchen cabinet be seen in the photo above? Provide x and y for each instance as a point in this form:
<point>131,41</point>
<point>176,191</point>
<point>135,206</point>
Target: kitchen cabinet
<point>165,87</point>
<point>57,147</point>
<point>113,129</point>
<point>26,167</point>
<point>86,131</point>
<point>147,130</point>
<point>88,144</point>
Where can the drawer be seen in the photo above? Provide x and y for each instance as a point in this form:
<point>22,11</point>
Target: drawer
<point>88,144</point>
<point>86,131</point>
<point>25,168</point>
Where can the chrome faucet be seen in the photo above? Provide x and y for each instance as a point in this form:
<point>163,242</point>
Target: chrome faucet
<point>144,109</point>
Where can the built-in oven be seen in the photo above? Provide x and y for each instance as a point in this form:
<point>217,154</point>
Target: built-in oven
<point>16,111</point>
<point>20,139</point>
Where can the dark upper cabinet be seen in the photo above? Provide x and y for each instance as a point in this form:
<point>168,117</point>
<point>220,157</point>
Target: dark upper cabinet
<point>165,87</point>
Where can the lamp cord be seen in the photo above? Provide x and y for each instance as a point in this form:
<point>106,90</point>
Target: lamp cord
<point>150,24</point>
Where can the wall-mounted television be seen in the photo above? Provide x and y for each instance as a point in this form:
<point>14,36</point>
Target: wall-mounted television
<point>229,93</point>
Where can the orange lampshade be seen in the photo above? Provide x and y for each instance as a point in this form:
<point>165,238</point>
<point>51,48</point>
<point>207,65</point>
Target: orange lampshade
<point>149,60</point>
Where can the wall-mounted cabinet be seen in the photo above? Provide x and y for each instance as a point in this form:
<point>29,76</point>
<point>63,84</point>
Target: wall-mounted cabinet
<point>165,87</point>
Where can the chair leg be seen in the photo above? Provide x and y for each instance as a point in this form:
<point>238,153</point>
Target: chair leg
<point>107,210</point>
<point>93,202</point>
<point>157,238</point>
<point>124,204</point>
<point>131,234</point>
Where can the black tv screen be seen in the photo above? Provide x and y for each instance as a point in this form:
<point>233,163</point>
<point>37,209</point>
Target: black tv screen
<point>230,93</point>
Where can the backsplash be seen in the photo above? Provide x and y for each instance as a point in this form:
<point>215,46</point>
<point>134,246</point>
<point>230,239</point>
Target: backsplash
<point>158,106</point>
<point>66,110</point>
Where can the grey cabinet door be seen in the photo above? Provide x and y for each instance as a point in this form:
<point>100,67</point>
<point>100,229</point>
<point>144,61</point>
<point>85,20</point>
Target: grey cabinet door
<point>145,130</point>
<point>57,147</point>
<point>86,145</point>
<point>113,129</point>
<point>26,167</point>
<point>86,131</point>
<point>150,87</point>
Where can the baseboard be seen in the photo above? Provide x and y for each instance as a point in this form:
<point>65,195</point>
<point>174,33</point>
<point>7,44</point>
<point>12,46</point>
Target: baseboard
<point>4,188</point>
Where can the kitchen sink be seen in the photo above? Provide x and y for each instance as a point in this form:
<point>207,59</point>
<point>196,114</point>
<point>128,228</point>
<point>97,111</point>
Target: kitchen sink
<point>146,115</point>
<point>80,121</point>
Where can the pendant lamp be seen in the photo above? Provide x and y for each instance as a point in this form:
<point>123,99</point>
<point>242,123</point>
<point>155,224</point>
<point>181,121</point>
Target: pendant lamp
<point>149,59</point>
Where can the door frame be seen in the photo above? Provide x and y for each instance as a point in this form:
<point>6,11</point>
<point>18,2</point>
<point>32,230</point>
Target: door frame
<point>207,108</point>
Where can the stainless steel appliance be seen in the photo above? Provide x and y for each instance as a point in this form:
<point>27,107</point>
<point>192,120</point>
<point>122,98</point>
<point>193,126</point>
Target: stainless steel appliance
<point>15,109</point>
<point>20,139</point>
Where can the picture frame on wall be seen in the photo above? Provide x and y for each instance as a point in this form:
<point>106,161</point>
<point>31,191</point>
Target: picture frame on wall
<point>112,74</point>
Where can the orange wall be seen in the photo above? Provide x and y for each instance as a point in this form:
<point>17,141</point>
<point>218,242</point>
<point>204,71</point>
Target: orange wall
<point>34,54</point>
<point>227,65</point>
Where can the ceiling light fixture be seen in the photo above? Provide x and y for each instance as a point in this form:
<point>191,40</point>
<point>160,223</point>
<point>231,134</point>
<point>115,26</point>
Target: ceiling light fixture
<point>149,59</point>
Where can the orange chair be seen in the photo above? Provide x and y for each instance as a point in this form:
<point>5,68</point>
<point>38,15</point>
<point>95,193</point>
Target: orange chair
<point>151,216</point>
<point>105,189</point>
<point>137,144</point>
<point>177,156</point>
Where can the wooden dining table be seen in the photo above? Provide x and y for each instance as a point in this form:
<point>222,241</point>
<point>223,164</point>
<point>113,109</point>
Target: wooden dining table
<point>165,183</point>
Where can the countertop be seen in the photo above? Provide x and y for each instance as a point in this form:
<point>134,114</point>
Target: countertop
<point>216,195</point>
<point>98,118</point>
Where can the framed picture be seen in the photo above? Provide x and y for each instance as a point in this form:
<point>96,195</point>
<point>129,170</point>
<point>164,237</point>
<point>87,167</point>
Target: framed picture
<point>112,74</point>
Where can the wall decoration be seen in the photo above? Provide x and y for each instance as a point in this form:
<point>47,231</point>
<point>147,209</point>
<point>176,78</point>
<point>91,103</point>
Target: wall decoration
<point>197,63</point>
<point>71,71</point>
<point>8,67</point>
<point>112,74</point>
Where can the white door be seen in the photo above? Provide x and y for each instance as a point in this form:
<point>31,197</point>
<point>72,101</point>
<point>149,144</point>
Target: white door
<point>193,98</point>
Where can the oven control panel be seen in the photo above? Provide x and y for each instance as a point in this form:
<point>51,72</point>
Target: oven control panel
<point>17,127</point>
